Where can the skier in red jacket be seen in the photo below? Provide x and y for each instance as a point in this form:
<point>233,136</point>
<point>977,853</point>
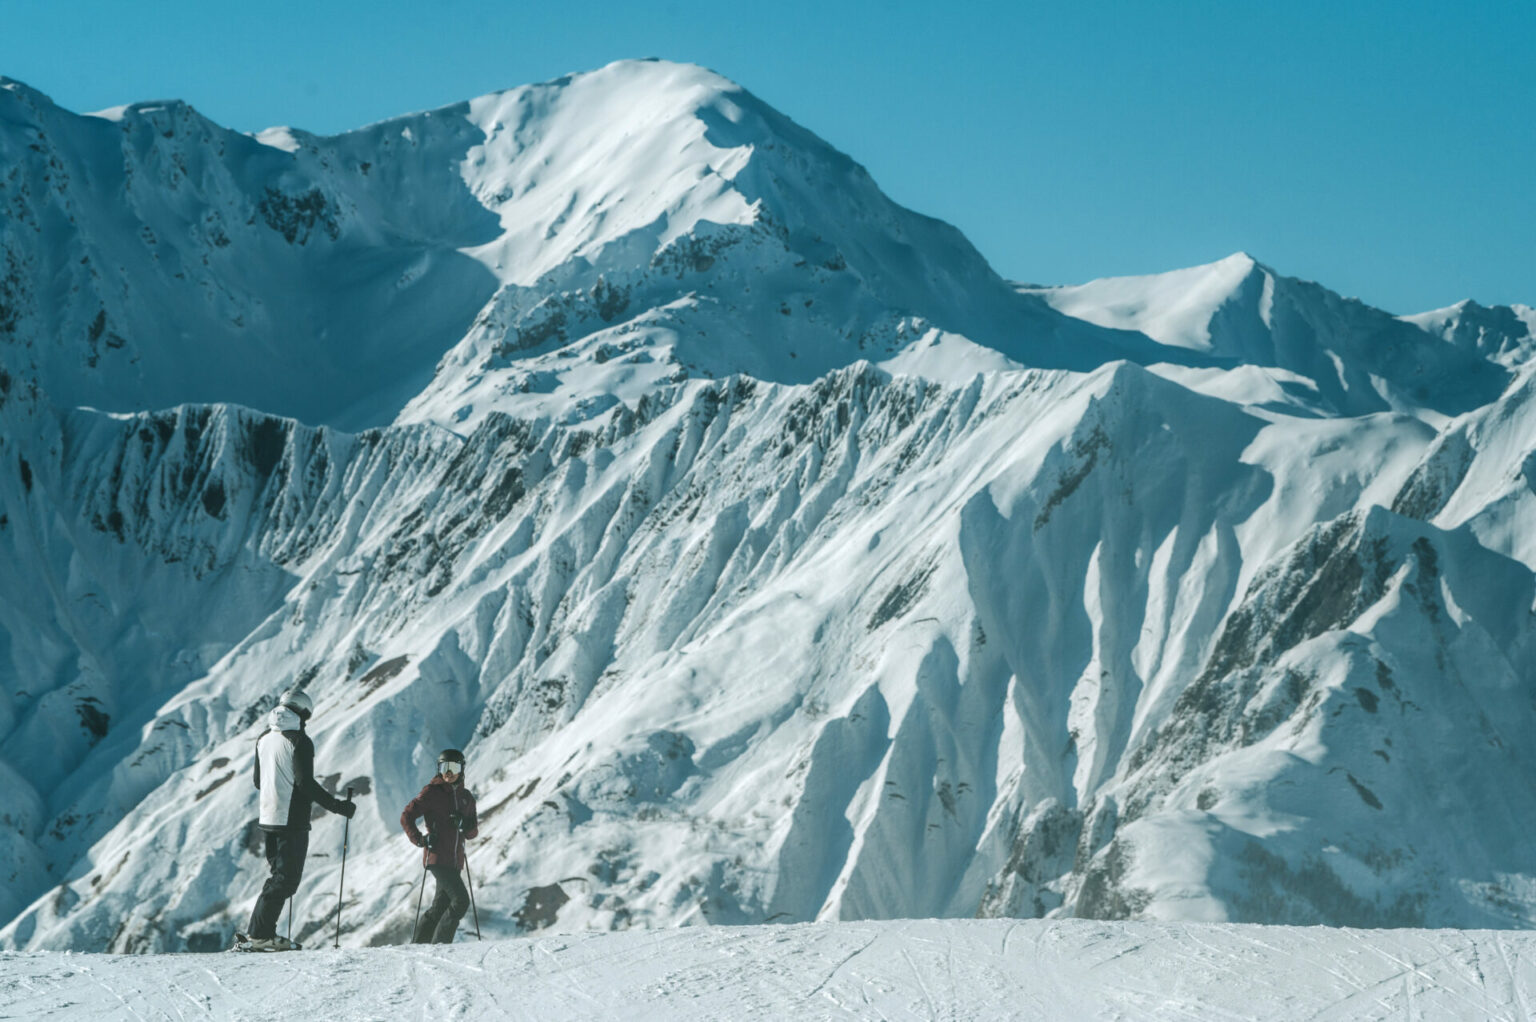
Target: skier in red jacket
<point>449,810</point>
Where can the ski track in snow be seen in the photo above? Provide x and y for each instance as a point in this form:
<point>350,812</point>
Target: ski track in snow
<point>906,969</point>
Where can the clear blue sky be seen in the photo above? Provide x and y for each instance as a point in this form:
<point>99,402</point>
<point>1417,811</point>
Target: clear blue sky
<point>1386,149</point>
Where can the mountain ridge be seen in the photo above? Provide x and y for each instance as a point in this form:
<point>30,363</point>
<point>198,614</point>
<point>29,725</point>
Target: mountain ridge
<point>770,556</point>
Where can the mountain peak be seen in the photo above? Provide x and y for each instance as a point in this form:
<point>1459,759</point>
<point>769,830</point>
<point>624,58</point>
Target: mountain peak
<point>1239,260</point>
<point>1239,310</point>
<point>643,189</point>
<point>1501,333</point>
<point>1174,308</point>
<point>20,88</point>
<point>713,485</point>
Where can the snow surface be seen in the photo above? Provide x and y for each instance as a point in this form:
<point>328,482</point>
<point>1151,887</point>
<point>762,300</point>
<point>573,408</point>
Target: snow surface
<point>917,969</point>
<point>1350,358</point>
<point>1174,308</point>
<point>771,557</point>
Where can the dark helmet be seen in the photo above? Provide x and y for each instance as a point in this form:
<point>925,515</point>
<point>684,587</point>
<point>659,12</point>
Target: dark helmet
<point>453,756</point>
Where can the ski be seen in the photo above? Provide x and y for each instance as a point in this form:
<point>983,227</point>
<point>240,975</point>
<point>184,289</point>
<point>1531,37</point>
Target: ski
<point>245,943</point>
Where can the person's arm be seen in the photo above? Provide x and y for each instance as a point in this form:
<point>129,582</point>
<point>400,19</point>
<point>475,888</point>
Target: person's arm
<point>256,777</point>
<point>470,824</point>
<point>304,780</point>
<point>413,810</point>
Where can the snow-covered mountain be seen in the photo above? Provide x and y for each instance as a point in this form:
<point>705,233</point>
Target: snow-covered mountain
<point>1346,357</point>
<point>771,557</point>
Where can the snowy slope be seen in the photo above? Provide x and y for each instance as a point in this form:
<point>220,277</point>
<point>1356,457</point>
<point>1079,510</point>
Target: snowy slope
<point>1341,356</point>
<point>149,257</point>
<point>771,557</point>
<point>926,969</point>
<point>1502,333</point>
<point>152,258</point>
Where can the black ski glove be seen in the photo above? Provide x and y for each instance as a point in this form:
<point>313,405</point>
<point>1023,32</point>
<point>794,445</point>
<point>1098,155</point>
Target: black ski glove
<point>348,809</point>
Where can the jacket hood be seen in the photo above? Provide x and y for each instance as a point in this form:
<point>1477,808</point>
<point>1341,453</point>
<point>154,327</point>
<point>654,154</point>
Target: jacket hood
<point>284,719</point>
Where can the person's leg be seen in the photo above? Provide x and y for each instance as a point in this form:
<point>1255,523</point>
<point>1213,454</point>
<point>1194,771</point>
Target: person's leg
<point>285,858</point>
<point>268,904</point>
<point>458,903</point>
<point>441,898</point>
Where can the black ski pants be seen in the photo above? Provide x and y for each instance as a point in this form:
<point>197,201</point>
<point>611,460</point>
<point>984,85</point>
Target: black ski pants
<point>441,921</point>
<point>285,857</point>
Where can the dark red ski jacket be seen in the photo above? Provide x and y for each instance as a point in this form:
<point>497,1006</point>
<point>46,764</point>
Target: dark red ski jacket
<point>437,801</point>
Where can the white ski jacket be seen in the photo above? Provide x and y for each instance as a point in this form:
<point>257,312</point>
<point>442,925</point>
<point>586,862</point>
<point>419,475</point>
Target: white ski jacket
<point>285,775</point>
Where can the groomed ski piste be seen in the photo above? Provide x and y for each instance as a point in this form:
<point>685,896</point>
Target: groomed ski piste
<point>901,969</point>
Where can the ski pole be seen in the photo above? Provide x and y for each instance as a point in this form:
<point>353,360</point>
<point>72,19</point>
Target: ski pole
<point>342,885</point>
<point>418,898</point>
<point>471,878</point>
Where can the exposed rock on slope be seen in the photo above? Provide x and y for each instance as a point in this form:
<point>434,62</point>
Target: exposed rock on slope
<point>770,557</point>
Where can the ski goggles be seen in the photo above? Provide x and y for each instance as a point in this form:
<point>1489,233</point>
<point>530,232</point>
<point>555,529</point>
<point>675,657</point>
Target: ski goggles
<point>450,766</point>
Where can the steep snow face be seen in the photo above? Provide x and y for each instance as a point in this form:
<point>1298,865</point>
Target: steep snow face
<point>152,258</point>
<point>1479,474</point>
<point>770,557</point>
<point>1501,333</point>
<point>1175,308</point>
<point>870,648</point>
<point>1354,359</point>
<point>621,156</point>
<point>663,224</point>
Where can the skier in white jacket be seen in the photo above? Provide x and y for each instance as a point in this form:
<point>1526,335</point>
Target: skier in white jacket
<point>285,776</point>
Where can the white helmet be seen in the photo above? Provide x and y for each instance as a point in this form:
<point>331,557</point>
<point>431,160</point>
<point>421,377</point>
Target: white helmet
<point>297,701</point>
